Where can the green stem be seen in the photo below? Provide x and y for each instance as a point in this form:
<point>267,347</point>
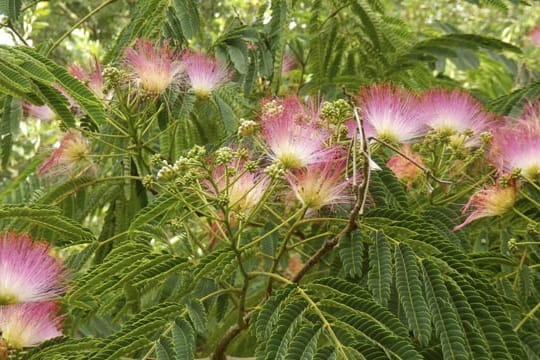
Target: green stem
<point>262,237</point>
<point>530,181</point>
<point>82,20</point>
<point>528,197</point>
<point>311,238</point>
<point>522,215</point>
<point>93,182</point>
<point>527,317</point>
<point>32,4</point>
<point>283,249</point>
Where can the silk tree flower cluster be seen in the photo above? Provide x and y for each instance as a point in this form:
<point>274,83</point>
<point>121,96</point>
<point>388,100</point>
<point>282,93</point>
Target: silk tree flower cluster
<point>154,69</point>
<point>70,159</point>
<point>93,78</point>
<point>449,127</point>
<point>298,142</point>
<point>31,280</point>
<point>290,156</point>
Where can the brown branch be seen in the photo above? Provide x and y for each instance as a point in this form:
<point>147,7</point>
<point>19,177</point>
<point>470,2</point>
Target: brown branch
<point>359,204</point>
<point>219,353</point>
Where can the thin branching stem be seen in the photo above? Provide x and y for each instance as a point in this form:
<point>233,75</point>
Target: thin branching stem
<point>78,23</point>
<point>358,208</point>
<point>429,174</point>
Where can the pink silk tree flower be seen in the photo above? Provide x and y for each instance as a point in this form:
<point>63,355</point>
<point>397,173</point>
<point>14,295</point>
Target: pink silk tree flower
<point>243,188</point>
<point>490,201</point>
<point>288,63</point>
<point>28,272</point>
<point>456,113</point>
<point>155,68</point>
<point>29,324</point>
<point>39,112</point>
<point>392,112</point>
<point>531,115</point>
<point>71,158</point>
<point>517,146</point>
<point>292,136</point>
<point>204,72</point>
<point>403,168</point>
<point>534,35</point>
<point>93,78</point>
<point>319,185</point>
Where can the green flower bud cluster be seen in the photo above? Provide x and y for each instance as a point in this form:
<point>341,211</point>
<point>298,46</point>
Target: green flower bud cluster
<point>272,108</point>
<point>275,170</point>
<point>247,127</point>
<point>113,77</point>
<point>224,155</point>
<point>252,166</point>
<point>198,152</point>
<point>533,228</point>
<point>183,170</point>
<point>336,112</point>
<point>148,181</point>
<point>512,244</point>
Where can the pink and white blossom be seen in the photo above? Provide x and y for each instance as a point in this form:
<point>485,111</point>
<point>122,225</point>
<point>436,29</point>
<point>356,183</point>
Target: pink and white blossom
<point>244,189</point>
<point>456,113</point>
<point>288,63</point>
<point>516,146</point>
<point>319,185</point>
<point>392,113</point>
<point>292,134</point>
<point>405,169</point>
<point>534,35</point>
<point>490,201</point>
<point>204,72</point>
<point>39,112</point>
<point>28,272</point>
<point>155,68</point>
<point>71,158</point>
<point>93,78</point>
<point>29,324</point>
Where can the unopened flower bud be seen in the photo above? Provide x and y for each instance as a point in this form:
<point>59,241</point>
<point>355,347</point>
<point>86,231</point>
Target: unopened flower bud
<point>113,77</point>
<point>197,152</point>
<point>512,244</point>
<point>275,170</point>
<point>272,108</point>
<point>148,181</point>
<point>247,127</point>
<point>224,155</point>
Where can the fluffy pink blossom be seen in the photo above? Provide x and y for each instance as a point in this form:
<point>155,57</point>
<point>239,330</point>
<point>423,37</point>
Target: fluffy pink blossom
<point>288,63</point>
<point>531,114</point>
<point>204,72</point>
<point>393,113</point>
<point>156,68</point>
<point>71,158</point>
<point>403,168</point>
<point>243,188</point>
<point>319,185</point>
<point>534,35</point>
<point>93,78</point>
<point>28,272</point>
<point>517,145</point>
<point>292,135</point>
<point>29,324</point>
<point>39,112</point>
<point>456,113</point>
<point>490,201</point>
